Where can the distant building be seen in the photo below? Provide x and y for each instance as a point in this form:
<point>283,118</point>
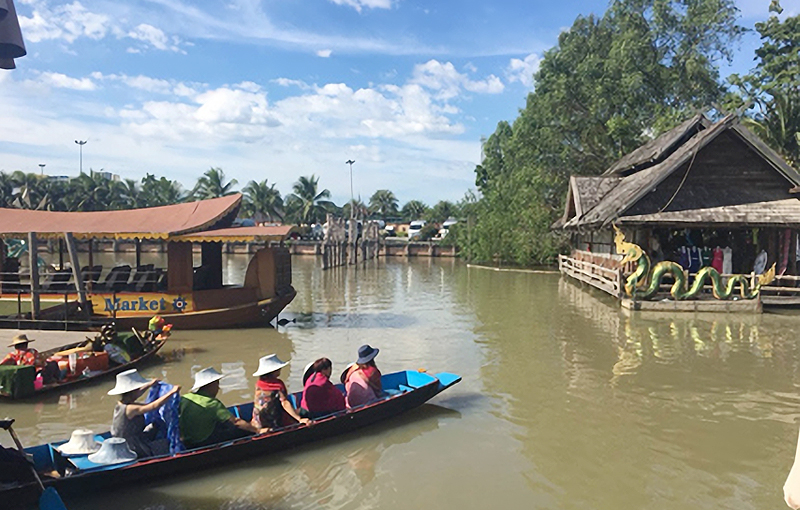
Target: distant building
<point>59,178</point>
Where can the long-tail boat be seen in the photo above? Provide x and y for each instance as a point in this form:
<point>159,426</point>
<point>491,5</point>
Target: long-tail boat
<point>78,475</point>
<point>188,296</point>
<point>20,382</point>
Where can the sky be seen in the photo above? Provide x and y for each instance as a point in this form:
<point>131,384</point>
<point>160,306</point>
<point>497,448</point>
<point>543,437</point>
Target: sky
<point>276,89</point>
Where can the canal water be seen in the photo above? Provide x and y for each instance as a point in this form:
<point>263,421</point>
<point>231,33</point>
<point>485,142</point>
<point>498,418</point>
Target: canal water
<point>566,401</point>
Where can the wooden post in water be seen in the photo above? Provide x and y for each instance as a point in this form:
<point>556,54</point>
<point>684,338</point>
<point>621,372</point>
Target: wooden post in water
<point>76,272</point>
<point>33,257</point>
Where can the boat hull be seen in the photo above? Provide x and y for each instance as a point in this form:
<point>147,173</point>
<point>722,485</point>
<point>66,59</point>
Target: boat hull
<point>236,451</point>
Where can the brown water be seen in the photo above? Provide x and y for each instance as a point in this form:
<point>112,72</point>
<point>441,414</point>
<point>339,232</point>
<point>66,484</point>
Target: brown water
<point>566,401</point>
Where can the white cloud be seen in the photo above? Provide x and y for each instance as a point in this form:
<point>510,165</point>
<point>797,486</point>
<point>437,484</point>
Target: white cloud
<point>63,22</point>
<point>63,81</point>
<point>154,37</point>
<point>287,82</point>
<point>523,70</point>
<point>360,4</point>
<point>324,53</point>
<point>444,78</point>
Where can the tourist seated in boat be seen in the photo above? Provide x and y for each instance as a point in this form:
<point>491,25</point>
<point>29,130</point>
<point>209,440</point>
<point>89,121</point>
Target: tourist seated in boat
<point>128,419</point>
<point>23,355</point>
<point>271,405</point>
<point>320,396</point>
<point>204,420</point>
<point>362,381</point>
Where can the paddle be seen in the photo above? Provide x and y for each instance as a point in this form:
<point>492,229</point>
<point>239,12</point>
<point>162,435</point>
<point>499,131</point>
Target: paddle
<point>49,500</point>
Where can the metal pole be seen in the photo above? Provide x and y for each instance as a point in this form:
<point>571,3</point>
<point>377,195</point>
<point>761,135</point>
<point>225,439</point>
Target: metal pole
<point>81,143</point>
<point>352,197</point>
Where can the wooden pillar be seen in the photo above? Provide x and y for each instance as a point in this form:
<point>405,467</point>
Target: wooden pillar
<point>33,256</point>
<point>2,262</point>
<point>211,259</point>
<point>138,243</point>
<point>179,267</point>
<point>60,255</point>
<point>76,271</point>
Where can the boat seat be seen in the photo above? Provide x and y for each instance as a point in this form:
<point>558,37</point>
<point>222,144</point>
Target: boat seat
<point>84,464</point>
<point>403,388</point>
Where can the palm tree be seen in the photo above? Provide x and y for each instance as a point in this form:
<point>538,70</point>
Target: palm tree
<point>6,189</point>
<point>29,191</point>
<point>779,125</point>
<point>441,211</point>
<point>306,204</point>
<point>212,185</point>
<point>158,192</point>
<point>413,210</point>
<point>383,203</point>
<point>262,202</point>
<point>359,209</point>
<point>131,194</point>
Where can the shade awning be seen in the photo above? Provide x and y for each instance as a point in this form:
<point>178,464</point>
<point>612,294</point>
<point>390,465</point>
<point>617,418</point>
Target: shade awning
<point>237,234</point>
<point>150,223</point>
<point>775,213</point>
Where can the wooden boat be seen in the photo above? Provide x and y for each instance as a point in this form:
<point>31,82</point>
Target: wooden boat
<point>188,296</point>
<point>148,351</point>
<point>79,476</point>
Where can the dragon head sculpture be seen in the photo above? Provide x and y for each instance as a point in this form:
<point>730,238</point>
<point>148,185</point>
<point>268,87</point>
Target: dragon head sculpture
<point>633,252</point>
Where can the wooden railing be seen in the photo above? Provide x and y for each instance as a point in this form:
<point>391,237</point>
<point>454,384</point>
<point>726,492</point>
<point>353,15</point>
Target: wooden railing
<point>584,266</point>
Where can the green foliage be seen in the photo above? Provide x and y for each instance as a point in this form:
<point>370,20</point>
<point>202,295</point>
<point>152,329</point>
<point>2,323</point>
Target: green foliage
<point>212,185</point>
<point>610,84</point>
<point>383,203</point>
<point>442,211</point>
<point>413,210</point>
<point>262,202</point>
<point>306,205</point>
<point>427,232</point>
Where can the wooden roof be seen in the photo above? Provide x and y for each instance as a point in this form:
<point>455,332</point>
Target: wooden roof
<point>627,192</point>
<point>759,214</point>
<point>150,223</point>
<point>659,148</point>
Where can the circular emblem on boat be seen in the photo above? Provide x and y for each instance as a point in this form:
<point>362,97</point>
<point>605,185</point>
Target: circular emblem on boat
<point>179,303</point>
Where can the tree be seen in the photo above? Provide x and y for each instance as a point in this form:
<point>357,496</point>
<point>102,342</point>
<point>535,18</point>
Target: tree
<point>383,203</point>
<point>262,202</point>
<point>610,84</point>
<point>306,205</point>
<point>442,211</point>
<point>359,209</point>
<point>774,86</point>
<point>413,210</point>
<point>157,192</point>
<point>212,185</point>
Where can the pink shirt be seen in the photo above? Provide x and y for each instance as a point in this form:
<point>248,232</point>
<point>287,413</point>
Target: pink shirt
<point>321,396</point>
<point>358,389</point>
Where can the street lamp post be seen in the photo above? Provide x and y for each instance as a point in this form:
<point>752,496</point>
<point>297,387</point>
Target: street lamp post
<point>352,198</point>
<point>81,143</point>
<point>41,168</point>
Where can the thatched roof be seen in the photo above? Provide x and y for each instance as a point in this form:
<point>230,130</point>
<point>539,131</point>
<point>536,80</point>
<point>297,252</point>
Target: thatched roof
<point>621,195</point>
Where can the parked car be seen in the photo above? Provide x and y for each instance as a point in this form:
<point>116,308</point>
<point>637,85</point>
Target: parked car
<point>390,231</point>
<point>415,227</point>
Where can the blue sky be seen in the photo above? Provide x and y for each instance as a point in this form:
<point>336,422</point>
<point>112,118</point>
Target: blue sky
<point>275,89</point>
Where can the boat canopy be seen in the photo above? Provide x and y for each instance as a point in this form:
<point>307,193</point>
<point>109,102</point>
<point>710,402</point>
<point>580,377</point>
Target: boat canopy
<point>237,234</point>
<point>166,222</point>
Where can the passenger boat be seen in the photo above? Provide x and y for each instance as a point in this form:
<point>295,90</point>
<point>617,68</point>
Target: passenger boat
<point>77,475</point>
<point>90,366</point>
<point>187,296</point>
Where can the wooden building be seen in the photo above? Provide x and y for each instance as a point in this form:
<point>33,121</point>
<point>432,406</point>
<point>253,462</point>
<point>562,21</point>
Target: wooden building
<point>698,187</point>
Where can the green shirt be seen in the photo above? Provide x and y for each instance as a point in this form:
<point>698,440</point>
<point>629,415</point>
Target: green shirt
<point>198,416</point>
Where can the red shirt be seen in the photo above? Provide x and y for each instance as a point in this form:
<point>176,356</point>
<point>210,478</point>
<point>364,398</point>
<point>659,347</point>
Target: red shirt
<point>321,396</point>
<point>264,389</point>
<point>18,357</point>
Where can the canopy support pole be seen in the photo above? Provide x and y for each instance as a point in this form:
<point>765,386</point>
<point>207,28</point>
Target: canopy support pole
<point>76,271</point>
<point>60,255</point>
<point>91,263</point>
<point>138,253</point>
<point>33,258</point>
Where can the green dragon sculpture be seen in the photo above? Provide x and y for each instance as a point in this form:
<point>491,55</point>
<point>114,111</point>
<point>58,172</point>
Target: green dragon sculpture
<point>642,284</point>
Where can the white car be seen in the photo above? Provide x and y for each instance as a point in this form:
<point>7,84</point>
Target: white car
<point>415,227</point>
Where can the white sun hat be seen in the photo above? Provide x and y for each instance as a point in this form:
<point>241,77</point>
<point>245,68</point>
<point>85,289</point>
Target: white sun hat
<point>114,451</point>
<point>269,364</point>
<point>204,377</point>
<point>81,442</point>
<point>128,380</point>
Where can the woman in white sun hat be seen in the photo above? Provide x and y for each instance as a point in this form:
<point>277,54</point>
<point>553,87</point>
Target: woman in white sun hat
<point>128,419</point>
<point>204,420</point>
<point>271,405</point>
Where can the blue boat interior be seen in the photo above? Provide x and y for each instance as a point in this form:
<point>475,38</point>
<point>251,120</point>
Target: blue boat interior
<point>48,459</point>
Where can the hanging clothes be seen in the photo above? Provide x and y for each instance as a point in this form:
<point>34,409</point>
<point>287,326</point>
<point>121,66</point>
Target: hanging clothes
<point>761,262</point>
<point>706,255</point>
<point>683,257</point>
<point>727,260</point>
<point>717,259</point>
<point>695,259</point>
<point>786,238</point>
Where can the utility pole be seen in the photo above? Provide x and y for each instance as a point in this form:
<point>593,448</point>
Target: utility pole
<point>352,199</point>
<point>81,143</point>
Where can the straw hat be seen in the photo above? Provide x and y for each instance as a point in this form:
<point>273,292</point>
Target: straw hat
<point>204,377</point>
<point>20,339</point>
<point>366,354</point>
<point>129,380</point>
<point>81,442</point>
<point>114,451</point>
<point>269,364</point>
